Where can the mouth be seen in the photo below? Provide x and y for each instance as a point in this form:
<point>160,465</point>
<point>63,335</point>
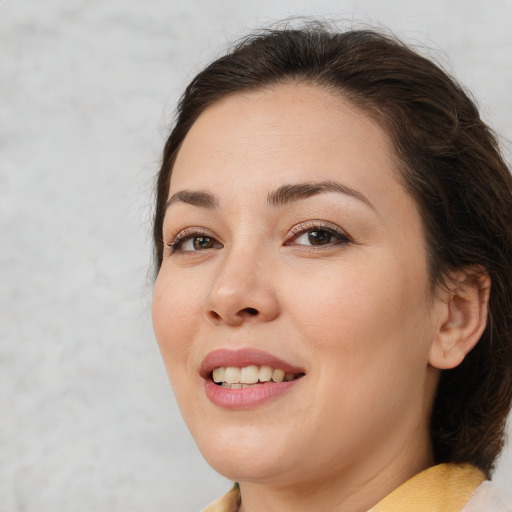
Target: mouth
<point>245,378</point>
<point>233,377</point>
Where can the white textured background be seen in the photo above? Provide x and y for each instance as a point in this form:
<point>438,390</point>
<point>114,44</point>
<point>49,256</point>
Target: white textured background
<point>87,419</point>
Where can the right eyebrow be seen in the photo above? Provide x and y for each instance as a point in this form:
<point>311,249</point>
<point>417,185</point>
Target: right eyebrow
<point>195,198</point>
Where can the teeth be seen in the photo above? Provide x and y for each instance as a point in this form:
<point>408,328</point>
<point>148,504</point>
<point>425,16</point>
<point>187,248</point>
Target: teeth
<point>218,374</point>
<point>236,378</point>
<point>232,375</point>
<point>265,374</point>
<point>236,385</point>
<point>278,376</point>
<point>249,374</point>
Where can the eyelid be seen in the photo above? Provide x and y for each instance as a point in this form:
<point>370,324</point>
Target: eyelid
<point>295,232</point>
<point>318,225</point>
<point>185,234</point>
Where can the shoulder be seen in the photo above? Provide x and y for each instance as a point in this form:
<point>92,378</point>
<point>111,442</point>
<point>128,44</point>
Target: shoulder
<point>486,499</point>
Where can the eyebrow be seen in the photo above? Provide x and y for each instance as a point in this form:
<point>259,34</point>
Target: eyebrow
<point>289,193</point>
<point>285,194</point>
<point>202,199</point>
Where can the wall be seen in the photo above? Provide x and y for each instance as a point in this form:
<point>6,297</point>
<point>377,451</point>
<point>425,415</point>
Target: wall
<point>87,419</point>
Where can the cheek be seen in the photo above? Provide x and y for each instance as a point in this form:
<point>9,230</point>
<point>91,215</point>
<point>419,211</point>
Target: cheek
<point>370,336</point>
<point>174,314</point>
<point>362,319</point>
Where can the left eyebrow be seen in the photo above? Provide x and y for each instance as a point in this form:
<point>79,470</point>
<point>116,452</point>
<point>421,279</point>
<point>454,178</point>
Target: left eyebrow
<point>289,193</point>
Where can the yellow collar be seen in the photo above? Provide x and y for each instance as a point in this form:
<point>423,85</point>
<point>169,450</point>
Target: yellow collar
<point>442,488</point>
<point>230,502</point>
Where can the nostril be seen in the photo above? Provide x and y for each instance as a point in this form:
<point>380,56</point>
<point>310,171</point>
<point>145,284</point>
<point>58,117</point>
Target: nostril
<point>251,311</point>
<point>214,316</point>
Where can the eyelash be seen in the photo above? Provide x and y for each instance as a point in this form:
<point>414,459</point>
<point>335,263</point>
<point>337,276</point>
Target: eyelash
<point>183,236</point>
<point>340,236</point>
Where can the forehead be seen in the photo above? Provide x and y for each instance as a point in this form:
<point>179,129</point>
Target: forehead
<point>292,132</point>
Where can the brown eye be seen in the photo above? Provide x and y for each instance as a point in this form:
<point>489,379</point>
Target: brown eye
<point>203,242</point>
<point>319,237</point>
<point>192,240</point>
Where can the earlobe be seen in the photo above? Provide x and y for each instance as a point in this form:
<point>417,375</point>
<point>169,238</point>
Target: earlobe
<point>462,317</point>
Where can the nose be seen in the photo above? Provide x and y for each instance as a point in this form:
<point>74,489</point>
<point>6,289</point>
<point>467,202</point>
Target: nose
<point>242,291</point>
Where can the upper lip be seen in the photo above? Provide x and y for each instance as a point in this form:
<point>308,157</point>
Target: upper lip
<point>241,358</point>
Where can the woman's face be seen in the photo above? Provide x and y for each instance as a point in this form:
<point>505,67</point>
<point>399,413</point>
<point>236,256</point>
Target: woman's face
<point>292,246</point>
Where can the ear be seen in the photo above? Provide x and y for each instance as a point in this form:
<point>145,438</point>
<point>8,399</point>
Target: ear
<point>462,308</point>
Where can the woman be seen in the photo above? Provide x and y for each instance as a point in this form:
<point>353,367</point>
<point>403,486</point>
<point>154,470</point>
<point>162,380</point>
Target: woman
<point>333,238</point>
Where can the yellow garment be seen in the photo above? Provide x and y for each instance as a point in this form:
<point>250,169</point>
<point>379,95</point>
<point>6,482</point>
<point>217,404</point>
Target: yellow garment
<point>442,488</point>
<point>230,502</point>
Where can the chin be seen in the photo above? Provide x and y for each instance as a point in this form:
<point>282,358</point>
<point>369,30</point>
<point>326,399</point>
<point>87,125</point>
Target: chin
<point>244,454</point>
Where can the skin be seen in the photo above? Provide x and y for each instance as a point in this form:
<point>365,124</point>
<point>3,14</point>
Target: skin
<point>356,313</point>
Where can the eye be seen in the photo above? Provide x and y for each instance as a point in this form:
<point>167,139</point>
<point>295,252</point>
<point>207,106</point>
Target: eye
<point>193,240</point>
<point>318,235</point>
<point>198,243</point>
<point>315,237</point>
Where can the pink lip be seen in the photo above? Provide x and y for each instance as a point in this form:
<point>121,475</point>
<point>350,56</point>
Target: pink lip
<point>244,398</point>
<point>243,357</point>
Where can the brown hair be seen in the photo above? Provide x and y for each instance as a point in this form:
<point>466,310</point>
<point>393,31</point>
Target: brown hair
<point>449,161</point>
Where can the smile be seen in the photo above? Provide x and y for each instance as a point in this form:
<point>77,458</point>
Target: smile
<point>233,377</point>
<point>246,378</point>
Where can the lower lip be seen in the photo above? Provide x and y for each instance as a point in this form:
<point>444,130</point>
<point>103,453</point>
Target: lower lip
<point>245,398</point>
